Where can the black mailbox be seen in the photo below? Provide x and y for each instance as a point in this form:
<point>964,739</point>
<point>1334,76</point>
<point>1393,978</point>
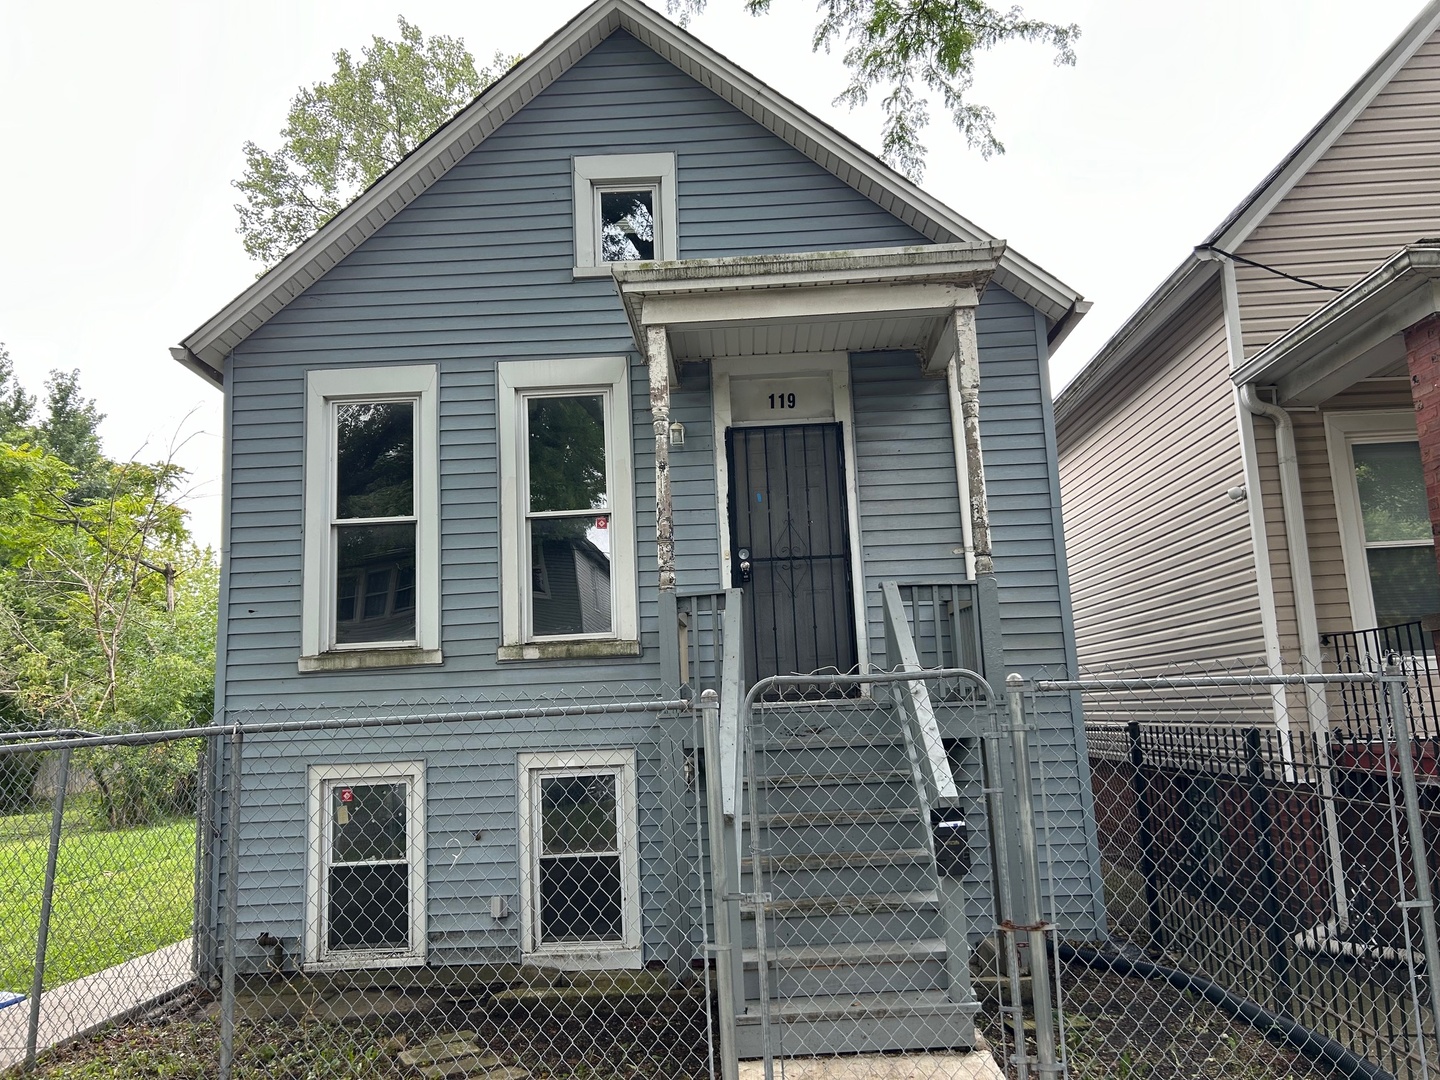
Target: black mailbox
<point>952,841</point>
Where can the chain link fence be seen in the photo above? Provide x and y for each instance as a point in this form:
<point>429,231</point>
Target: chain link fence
<point>419,892</point>
<point>1268,846</point>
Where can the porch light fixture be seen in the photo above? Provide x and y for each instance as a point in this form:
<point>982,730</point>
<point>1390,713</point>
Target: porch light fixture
<point>677,433</point>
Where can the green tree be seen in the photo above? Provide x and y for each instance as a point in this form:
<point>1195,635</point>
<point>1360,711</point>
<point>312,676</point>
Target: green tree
<point>910,48</point>
<point>344,134</point>
<point>16,406</point>
<point>107,609</point>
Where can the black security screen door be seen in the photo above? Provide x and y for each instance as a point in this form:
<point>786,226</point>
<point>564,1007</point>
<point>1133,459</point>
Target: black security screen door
<point>788,514</point>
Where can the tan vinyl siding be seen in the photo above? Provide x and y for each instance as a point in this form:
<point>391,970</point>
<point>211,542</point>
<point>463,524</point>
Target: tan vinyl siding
<point>1161,567</point>
<point>1372,192</point>
<point>1327,565</point>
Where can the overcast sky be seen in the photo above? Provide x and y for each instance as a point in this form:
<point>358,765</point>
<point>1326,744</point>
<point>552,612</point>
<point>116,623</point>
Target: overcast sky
<point>121,128</point>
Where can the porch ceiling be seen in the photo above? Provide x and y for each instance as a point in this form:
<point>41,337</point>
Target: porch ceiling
<point>829,301</point>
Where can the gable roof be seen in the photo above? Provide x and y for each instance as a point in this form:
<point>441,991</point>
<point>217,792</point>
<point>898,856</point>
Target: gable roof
<point>1200,267</point>
<point>205,349</point>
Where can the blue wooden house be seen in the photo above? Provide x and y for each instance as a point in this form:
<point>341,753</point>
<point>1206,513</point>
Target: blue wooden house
<point>631,343</point>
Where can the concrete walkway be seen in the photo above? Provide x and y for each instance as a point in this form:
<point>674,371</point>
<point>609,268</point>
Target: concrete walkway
<point>78,1007</point>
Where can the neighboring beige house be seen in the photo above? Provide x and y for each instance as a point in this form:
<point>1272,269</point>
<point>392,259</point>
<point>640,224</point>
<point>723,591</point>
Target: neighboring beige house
<point>1241,464</point>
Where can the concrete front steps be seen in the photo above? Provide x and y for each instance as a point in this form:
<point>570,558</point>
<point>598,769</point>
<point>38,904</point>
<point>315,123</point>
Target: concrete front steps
<point>855,935</point>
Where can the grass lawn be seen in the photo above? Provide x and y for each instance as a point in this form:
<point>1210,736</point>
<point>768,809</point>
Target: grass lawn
<point>118,894</point>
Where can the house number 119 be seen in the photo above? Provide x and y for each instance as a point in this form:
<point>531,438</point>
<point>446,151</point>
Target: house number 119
<point>782,401</point>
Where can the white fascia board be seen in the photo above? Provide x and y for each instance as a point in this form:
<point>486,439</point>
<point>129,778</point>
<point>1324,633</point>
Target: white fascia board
<point>1256,206</point>
<point>1165,303</point>
<point>821,143</point>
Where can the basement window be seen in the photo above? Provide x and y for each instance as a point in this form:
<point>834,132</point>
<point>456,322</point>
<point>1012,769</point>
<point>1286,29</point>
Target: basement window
<point>580,867</point>
<point>366,886</point>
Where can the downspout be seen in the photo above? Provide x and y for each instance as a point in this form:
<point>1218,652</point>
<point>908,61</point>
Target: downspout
<point>1307,625</point>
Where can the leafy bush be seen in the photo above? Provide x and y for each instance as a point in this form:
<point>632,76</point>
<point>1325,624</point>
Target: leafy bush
<point>140,785</point>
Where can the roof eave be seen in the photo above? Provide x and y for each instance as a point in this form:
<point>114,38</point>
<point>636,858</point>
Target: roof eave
<point>1316,355</point>
<point>1174,294</point>
<point>215,338</point>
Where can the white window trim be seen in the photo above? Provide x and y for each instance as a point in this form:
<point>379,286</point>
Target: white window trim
<point>582,955</point>
<point>1342,431</point>
<point>317,957</point>
<point>611,170</point>
<point>609,374</point>
<point>323,389</point>
<point>837,367</point>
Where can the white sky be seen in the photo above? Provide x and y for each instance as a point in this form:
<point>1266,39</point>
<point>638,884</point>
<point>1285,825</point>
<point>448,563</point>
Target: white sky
<point>121,127</point>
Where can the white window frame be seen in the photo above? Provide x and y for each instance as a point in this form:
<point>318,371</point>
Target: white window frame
<point>325,389</point>
<point>320,779</point>
<point>1344,430</point>
<point>606,172</point>
<point>625,953</point>
<point>518,380</point>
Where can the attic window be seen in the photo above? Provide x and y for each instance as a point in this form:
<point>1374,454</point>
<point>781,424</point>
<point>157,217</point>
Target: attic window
<point>625,210</point>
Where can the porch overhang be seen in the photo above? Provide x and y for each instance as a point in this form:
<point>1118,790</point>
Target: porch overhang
<point>822,301</point>
<point>1357,335</point>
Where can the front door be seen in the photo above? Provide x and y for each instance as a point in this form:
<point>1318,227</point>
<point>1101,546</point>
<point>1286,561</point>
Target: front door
<point>790,547</point>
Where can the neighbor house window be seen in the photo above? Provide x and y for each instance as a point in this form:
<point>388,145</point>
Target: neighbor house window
<point>625,210</point>
<point>371,583</point>
<point>579,858</point>
<point>567,526</point>
<point>1386,534</point>
<point>366,894</point>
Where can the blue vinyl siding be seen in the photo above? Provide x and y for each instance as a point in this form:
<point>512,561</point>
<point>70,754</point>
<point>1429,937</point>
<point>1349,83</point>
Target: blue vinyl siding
<point>478,270</point>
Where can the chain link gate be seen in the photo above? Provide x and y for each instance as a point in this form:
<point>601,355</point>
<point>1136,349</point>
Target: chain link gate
<point>860,825</point>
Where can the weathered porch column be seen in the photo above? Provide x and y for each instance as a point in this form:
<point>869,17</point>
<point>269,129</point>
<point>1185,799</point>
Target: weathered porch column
<point>657,355</point>
<point>962,377</point>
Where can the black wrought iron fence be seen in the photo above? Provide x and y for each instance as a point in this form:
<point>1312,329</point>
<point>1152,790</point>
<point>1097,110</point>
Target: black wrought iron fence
<point>1410,648</point>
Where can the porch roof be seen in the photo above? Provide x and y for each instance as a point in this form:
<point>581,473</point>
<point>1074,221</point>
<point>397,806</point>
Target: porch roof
<point>1356,335</point>
<point>819,301</point>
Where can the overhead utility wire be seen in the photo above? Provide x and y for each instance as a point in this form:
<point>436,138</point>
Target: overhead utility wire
<point>1268,269</point>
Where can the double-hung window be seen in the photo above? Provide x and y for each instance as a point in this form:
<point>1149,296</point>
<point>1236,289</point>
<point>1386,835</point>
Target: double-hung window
<point>567,522</point>
<point>371,575</point>
<point>580,866</point>
<point>625,210</point>
<point>365,896</point>
<point>1386,535</point>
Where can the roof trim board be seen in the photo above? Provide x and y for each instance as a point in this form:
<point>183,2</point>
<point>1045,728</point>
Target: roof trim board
<point>213,340</point>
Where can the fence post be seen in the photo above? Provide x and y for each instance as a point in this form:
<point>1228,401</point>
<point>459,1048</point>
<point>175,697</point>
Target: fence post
<point>1275,936</point>
<point>47,898</point>
<point>1140,785</point>
<point>1400,725</point>
<point>721,887</point>
<point>1028,864</point>
<point>232,905</point>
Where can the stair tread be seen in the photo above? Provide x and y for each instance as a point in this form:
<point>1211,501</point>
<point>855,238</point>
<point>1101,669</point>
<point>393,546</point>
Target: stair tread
<point>848,1006</point>
<point>828,740</point>
<point>828,860</point>
<point>855,904</point>
<point>861,953</point>
<point>888,776</point>
<point>837,817</point>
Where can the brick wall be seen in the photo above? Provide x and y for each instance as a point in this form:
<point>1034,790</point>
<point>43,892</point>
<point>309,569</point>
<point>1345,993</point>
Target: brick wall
<point>1422,348</point>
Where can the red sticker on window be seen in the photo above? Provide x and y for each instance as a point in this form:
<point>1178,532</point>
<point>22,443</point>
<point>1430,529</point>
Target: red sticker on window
<point>346,795</point>
<point>602,523</point>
